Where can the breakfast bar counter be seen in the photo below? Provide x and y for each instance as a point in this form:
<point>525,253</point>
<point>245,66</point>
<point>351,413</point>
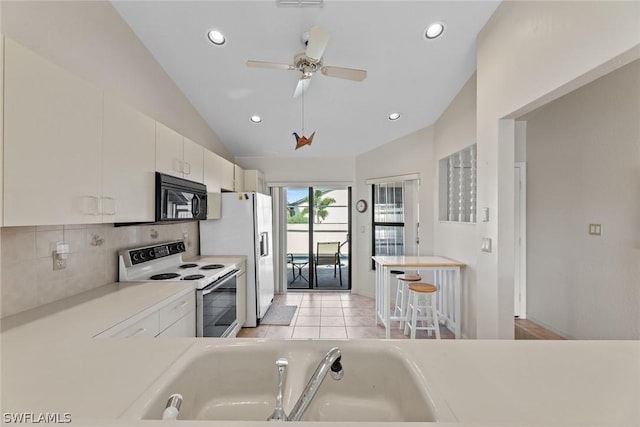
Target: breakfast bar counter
<point>447,278</point>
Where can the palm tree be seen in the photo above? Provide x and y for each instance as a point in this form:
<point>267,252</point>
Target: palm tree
<point>320,205</point>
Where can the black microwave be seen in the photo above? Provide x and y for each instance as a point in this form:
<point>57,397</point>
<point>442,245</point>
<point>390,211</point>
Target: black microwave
<point>179,199</point>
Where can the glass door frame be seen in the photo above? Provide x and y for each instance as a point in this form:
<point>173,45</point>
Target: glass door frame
<point>311,241</point>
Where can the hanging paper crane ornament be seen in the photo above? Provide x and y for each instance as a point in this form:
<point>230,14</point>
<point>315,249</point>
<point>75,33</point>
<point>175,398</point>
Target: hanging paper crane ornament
<point>301,141</point>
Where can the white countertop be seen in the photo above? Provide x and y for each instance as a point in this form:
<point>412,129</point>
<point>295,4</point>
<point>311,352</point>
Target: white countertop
<point>50,363</point>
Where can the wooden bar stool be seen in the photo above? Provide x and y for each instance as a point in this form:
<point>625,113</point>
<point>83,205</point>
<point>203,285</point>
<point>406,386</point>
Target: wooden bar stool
<point>402,296</point>
<point>422,308</point>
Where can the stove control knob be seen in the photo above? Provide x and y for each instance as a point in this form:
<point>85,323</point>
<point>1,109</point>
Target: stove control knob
<point>181,247</point>
<point>143,256</point>
<point>134,256</point>
<point>151,254</point>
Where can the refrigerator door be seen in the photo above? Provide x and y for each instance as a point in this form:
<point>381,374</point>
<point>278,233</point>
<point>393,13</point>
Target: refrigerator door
<point>265,287</point>
<point>245,229</point>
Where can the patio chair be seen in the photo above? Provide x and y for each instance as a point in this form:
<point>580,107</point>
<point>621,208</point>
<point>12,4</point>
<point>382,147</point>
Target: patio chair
<point>328,253</point>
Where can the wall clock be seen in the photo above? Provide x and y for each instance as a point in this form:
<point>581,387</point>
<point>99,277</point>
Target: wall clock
<point>361,205</point>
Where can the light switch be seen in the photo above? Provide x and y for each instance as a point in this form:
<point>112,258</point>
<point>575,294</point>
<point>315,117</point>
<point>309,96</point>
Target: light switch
<point>595,229</point>
<point>486,244</point>
<point>485,214</point>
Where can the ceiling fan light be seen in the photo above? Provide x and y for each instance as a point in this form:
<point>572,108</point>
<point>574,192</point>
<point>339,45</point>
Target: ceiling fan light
<point>434,30</point>
<point>216,37</point>
<point>394,116</point>
<point>256,119</point>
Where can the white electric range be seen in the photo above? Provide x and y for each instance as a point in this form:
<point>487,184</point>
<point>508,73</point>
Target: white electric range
<point>215,284</point>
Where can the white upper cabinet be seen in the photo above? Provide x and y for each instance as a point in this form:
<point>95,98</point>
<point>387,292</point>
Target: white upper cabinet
<point>226,174</point>
<point>169,149</point>
<point>238,178</point>
<point>211,171</point>
<point>177,155</point>
<point>1,123</point>
<point>128,187</point>
<point>254,181</point>
<point>193,155</point>
<point>52,143</point>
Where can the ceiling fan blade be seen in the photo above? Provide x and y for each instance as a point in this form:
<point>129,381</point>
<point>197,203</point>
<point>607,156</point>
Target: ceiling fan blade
<point>318,39</point>
<point>272,65</point>
<point>302,86</point>
<point>344,73</point>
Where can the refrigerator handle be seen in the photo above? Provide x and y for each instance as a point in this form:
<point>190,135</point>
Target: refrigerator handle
<point>264,247</point>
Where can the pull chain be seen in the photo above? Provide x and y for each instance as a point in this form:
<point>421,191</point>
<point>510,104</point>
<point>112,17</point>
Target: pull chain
<point>303,111</point>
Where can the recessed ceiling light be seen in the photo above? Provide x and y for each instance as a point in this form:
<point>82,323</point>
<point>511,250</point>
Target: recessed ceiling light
<point>216,37</point>
<point>256,119</point>
<point>434,30</point>
<point>394,116</point>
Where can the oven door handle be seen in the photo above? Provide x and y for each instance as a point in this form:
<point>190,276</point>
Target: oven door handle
<point>215,285</point>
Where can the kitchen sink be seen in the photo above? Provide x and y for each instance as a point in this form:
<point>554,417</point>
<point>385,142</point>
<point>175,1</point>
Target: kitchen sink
<point>238,381</point>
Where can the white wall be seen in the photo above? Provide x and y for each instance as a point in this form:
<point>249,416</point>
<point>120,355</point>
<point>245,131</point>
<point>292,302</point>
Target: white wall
<point>530,53</point>
<point>410,154</point>
<point>304,170</point>
<point>90,39</point>
<point>455,130</point>
<point>583,167</point>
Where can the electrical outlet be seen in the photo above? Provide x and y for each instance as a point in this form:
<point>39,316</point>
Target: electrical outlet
<point>59,264</point>
<point>595,229</point>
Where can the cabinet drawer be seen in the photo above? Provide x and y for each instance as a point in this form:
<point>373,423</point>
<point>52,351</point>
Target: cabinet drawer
<point>176,309</point>
<point>146,327</point>
<point>185,327</point>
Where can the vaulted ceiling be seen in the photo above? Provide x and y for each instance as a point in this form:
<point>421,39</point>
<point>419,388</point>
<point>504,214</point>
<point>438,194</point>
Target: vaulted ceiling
<point>406,72</point>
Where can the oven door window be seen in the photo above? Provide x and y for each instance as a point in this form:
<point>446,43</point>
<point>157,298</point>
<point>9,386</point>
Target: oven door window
<point>219,309</point>
<point>181,205</point>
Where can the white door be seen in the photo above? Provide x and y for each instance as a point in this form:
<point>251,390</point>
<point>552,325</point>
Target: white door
<point>520,235</point>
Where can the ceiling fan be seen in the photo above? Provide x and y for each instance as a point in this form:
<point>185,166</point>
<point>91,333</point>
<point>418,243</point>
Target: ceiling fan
<point>310,61</point>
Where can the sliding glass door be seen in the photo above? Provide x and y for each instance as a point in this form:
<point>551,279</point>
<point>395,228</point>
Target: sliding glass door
<point>317,242</point>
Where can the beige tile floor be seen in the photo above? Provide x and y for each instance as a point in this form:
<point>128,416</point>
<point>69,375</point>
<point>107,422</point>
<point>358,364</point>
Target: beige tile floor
<point>330,315</point>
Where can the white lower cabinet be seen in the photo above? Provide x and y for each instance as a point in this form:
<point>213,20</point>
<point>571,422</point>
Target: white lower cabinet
<point>241,293</point>
<point>185,327</point>
<point>173,318</point>
<point>146,327</point>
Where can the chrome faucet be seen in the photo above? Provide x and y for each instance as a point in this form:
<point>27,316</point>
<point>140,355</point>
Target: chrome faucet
<point>278,413</point>
<point>331,362</point>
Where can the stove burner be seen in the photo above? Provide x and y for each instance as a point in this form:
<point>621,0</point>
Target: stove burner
<point>193,277</point>
<point>211,267</point>
<point>164,276</point>
<point>188,265</point>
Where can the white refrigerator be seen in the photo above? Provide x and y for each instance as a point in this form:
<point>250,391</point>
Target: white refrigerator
<point>245,228</point>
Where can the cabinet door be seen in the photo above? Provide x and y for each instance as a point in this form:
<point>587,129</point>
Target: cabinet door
<point>211,171</point>
<point>254,181</point>
<point>169,151</point>
<point>185,327</point>
<point>193,160</point>
<point>128,164</point>
<point>226,174</point>
<point>52,143</point>
<point>1,123</point>
<point>238,178</point>
<point>241,298</point>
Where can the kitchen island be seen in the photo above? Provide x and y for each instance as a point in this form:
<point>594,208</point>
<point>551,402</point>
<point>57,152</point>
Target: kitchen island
<point>51,363</point>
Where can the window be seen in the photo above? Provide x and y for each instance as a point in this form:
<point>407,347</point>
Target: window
<point>388,218</point>
<point>458,189</point>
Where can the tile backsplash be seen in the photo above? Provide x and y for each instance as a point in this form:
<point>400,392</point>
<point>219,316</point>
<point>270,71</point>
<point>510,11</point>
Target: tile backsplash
<point>27,276</point>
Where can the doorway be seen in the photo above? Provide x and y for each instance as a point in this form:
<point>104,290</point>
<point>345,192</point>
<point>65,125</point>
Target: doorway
<point>520,242</point>
<point>318,230</point>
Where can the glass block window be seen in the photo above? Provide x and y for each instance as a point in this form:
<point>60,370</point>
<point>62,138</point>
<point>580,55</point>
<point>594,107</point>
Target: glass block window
<point>458,186</point>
